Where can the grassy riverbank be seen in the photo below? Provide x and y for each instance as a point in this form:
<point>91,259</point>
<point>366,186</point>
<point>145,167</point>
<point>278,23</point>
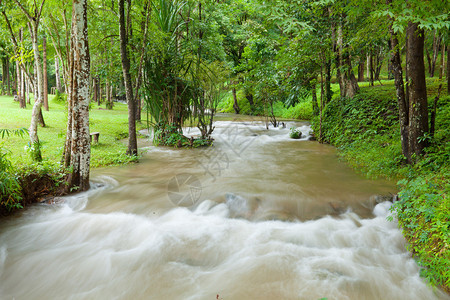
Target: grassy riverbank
<point>366,131</point>
<point>112,125</point>
<point>23,182</point>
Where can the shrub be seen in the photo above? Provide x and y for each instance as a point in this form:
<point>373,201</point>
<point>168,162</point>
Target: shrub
<point>10,190</point>
<point>295,133</point>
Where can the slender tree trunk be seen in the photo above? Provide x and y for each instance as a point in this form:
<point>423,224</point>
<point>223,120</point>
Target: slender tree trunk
<point>8,77</point>
<point>418,105</point>
<point>314,97</point>
<point>17,85</point>
<point>23,91</point>
<point>94,90</point>
<point>235,103</point>
<point>57,75</point>
<point>80,155</point>
<point>327,87</point>
<point>45,78</point>
<point>3,75</point>
<point>371,68</point>
<point>347,81</point>
<point>132,142</point>
<point>249,98</point>
<point>436,42</point>
<point>27,90</point>
<point>108,95</point>
<point>378,64</point>
<point>442,64</point>
<point>36,114</point>
<point>428,56</point>
<point>21,78</point>
<point>448,69</point>
<point>403,107</point>
<point>368,66</point>
<point>321,106</point>
<point>361,69</point>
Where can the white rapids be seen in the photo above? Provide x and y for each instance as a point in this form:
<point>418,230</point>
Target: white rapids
<point>244,238</point>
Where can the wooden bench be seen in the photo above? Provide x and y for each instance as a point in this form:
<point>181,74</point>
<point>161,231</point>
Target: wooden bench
<point>96,135</point>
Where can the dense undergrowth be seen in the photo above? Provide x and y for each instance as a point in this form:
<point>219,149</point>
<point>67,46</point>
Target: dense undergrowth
<point>366,131</point>
<point>301,111</point>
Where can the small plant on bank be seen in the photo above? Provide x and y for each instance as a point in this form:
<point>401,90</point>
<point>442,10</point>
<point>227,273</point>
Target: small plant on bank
<point>10,189</point>
<point>295,133</point>
<point>171,136</point>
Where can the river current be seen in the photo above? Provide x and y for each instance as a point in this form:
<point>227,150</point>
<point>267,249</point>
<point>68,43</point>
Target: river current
<point>256,216</point>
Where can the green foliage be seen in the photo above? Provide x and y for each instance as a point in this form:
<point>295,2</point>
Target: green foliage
<point>301,111</point>
<point>170,135</point>
<point>366,130</point>
<point>295,133</point>
<point>34,150</point>
<point>423,214</point>
<point>226,105</point>
<point>4,132</point>
<point>60,98</point>
<point>10,190</point>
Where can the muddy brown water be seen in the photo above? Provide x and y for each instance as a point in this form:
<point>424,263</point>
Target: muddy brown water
<point>256,216</point>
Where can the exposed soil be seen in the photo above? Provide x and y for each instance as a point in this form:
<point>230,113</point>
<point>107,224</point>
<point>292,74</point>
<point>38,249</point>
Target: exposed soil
<point>37,188</point>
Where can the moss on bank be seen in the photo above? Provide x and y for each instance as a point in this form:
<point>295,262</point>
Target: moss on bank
<point>366,131</point>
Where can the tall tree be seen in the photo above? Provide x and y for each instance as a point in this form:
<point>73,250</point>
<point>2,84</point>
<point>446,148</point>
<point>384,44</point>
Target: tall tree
<point>132,143</point>
<point>403,109</point>
<point>418,106</point>
<point>34,17</point>
<point>78,119</point>
<point>45,75</point>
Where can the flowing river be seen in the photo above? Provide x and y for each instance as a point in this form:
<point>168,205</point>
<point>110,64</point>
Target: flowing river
<point>256,216</point>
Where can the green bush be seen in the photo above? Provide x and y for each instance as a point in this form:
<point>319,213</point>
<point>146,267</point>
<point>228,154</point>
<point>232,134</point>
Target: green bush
<point>10,190</point>
<point>60,97</point>
<point>295,133</point>
<point>301,111</point>
<point>423,214</point>
<point>226,105</point>
<point>367,133</point>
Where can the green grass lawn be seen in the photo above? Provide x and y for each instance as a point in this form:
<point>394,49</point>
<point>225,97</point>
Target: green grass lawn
<point>112,125</point>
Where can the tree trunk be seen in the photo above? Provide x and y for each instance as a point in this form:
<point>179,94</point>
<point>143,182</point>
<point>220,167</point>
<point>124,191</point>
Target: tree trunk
<point>436,42</point>
<point>45,78</point>
<point>368,66</point>
<point>36,114</point>
<point>418,105</point>
<point>17,85</point>
<point>428,56</point>
<point>361,69</point>
<point>21,79</point>
<point>403,109</point>
<point>132,143</point>
<point>378,64</point>
<point>108,93</point>
<point>235,103</point>
<point>8,77</point>
<point>3,75</point>
<point>347,81</point>
<point>448,69</point>
<point>315,106</point>
<point>327,87</point>
<point>23,91</point>
<point>80,154</point>
<point>442,64</point>
<point>249,98</point>
<point>94,90</point>
<point>57,75</point>
<point>371,68</point>
<point>27,90</point>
